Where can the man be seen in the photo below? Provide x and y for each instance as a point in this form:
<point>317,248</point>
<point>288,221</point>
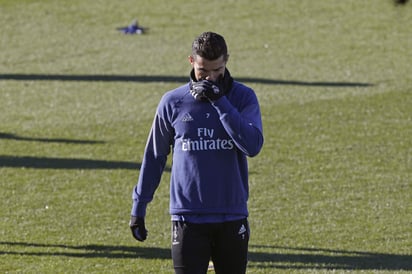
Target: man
<point>212,123</point>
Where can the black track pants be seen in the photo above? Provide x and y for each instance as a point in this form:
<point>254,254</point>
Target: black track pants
<point>226,244</point>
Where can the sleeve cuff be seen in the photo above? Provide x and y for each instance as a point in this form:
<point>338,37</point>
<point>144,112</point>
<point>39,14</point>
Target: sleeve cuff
<point>138,209</point>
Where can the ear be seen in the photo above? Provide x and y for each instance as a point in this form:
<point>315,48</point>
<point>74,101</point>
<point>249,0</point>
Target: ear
<point>191,59</point>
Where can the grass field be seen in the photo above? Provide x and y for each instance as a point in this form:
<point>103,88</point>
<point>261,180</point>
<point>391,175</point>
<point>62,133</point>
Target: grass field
<point>329,193</point>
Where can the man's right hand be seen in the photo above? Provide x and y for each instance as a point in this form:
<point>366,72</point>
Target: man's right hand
<point>205,89</point>
<point>138,228</point>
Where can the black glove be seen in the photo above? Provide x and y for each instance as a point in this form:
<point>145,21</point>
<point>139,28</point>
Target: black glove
<point>138,228</point>
<point>205,89</point>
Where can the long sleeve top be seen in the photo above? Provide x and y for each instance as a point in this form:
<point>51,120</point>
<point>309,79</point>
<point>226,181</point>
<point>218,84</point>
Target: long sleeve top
<point>210,143</point>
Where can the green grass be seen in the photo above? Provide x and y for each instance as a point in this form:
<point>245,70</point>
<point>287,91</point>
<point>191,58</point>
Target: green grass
<point>330,191</point>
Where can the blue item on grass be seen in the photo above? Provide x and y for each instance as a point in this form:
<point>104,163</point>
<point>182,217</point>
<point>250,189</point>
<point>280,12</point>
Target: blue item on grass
<point>133,28</point>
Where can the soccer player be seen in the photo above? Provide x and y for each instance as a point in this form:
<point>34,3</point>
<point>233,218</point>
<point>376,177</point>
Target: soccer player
<point>211,125</point>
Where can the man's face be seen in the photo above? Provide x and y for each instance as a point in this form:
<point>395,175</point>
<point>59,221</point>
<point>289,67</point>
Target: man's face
<point>207,69</point>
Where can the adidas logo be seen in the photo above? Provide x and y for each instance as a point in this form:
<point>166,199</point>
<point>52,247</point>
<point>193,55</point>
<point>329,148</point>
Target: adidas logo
<point>187,118</point>
<point>242,229</point>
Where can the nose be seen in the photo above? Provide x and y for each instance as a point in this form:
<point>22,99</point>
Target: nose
<point>212,76</point>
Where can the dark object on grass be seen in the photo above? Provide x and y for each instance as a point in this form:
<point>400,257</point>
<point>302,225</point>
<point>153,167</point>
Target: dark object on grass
<point>133,28</point>
<point>401,2</point>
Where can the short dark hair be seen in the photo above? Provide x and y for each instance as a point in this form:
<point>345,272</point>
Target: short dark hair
<point>210,45</point>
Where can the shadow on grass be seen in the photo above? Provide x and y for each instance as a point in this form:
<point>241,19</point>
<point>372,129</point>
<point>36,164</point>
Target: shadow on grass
<point>15,137</point>
<point>59,163</point>
<point>319,258</point>
<point>288,258</point>
<point>167,78</point>
<point>85,251</point>
<point>63,163</point>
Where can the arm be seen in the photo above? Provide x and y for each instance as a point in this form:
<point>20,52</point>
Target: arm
<point>244,127</point>
<point>149,179</point>
<point>154,161</point>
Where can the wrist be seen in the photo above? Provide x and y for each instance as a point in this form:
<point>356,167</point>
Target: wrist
<point>138,209</point>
